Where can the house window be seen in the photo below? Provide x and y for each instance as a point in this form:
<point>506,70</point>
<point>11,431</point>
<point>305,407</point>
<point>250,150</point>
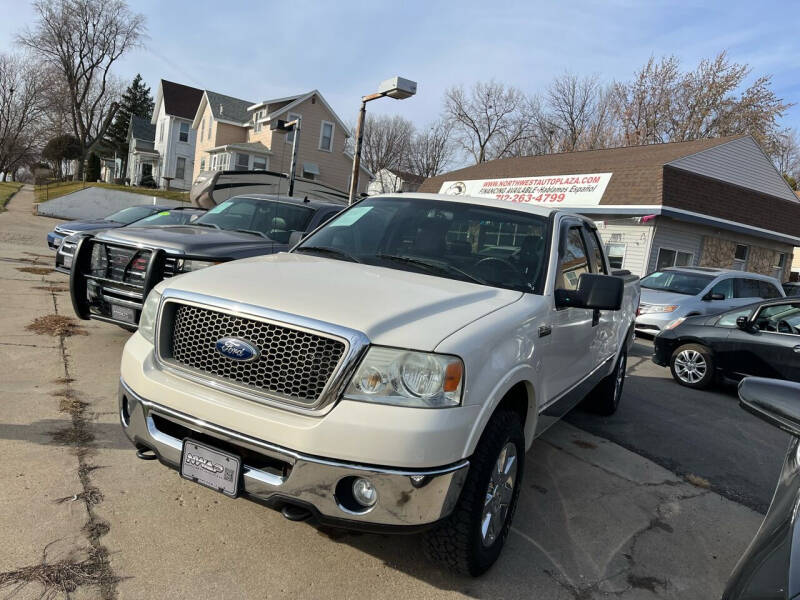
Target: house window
<point>310,170</point>
<point>202,127</point>
<point>257,121</point>
<point>160,131</point>
<point>183,135</point>
<point>290,135</point>
<point>326,136</point>
<point>673,258</point>
<point>242,161</point>
<point>202,164</point>
<point>259,163</point>
<point>208,130</point>
<point>740,257</point>
<point>180,168</point>
<point>780,265</point>
<point>616,255</point>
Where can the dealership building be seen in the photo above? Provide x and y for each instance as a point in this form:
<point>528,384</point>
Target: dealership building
<point>712,203</point>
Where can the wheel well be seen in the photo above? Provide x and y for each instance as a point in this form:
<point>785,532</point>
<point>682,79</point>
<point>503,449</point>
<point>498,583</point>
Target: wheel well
<point>516,400</point>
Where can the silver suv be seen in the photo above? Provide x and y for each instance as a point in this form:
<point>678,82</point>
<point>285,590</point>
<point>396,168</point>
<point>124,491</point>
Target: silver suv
<point>671,295</point>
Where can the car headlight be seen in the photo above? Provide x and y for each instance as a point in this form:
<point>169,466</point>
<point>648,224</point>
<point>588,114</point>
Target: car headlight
<point>674,324</point>
<point>147,320</point>
<point>405,378</point>
<point>187,266</point>
<point>659,308</point>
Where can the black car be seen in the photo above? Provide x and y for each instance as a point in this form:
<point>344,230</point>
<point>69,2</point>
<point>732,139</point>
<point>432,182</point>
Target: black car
<point>121,218</point>
<point>792,288</point>
<point>761,339</point>
<point>770,567</point>
<point>113,271</point>
<point>180,215</point>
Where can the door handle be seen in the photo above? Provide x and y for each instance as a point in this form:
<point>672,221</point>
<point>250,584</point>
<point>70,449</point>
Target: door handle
<point>797,349</point>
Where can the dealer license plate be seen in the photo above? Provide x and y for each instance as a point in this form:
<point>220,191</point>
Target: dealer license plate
<point>67,261</point>
<point>211,467</point>
<point>123,313</point>
<point>57,242</point>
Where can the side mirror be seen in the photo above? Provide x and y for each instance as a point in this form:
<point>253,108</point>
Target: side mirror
<point>596,292</point>
<point>744,324</point>
<point>295,238</point>
<point>710,296</point>
<point>775,401</point>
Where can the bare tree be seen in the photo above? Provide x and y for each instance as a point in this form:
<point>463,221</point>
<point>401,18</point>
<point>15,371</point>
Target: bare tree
<point>21,109</point>
<point>571,103</point>
<point>784,147</point>
<point>489,120</point>
<point>82,39</point>
<point>431,150</point>
<point>386,142</point>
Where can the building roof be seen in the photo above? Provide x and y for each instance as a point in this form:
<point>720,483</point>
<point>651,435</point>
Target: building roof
<point>406,176</point>
<point>227,108</point>
<point>636,170</point>
<point>179,100</point>
<point>256,147</point>
<point>142,129</point>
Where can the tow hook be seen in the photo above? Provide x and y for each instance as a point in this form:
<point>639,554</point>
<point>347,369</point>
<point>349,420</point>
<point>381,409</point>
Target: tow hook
<point>145,454</point>
<point>295,513</point>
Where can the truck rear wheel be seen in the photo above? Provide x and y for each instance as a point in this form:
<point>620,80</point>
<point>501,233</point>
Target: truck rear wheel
<point>470,540</point>
<point>604,399</point>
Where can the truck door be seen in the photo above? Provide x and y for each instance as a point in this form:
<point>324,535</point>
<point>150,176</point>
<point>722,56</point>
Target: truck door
<point>571,353</point>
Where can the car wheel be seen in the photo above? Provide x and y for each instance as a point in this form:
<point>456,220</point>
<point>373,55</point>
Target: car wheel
<point>469,541</point>
<point>692,365</point>
<point>604,399</point>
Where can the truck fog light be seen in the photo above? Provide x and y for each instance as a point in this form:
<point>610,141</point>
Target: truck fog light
<point>364,492</point>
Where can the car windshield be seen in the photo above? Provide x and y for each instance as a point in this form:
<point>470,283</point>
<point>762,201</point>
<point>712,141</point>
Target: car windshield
<point>130,214</point>
<point>679,282</point>
<point>167,217</point>
<point>490,246</point>
<point>267,218</point>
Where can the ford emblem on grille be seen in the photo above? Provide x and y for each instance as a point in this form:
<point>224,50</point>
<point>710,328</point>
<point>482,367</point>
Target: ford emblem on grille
<point>237,349</point>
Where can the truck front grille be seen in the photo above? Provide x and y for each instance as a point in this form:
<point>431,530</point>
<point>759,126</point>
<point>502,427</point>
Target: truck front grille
<point>119,263</point>
<point>293,364</point>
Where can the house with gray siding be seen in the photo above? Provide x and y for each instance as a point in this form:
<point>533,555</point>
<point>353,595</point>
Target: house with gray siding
<point>712,202</point>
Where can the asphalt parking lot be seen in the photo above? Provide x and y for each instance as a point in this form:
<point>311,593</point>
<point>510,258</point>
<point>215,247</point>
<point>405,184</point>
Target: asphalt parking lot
<point>637,506</point>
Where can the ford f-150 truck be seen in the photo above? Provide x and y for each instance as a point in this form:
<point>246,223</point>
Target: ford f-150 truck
<point>390,371</point>
<point>112,272</point>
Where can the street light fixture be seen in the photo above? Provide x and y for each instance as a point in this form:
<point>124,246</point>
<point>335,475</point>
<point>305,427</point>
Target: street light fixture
<point>286,127</point>
<point>397,88</point>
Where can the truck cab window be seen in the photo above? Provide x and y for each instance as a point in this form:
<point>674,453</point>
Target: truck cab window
<point>572,261</point>
<point>593,244</point>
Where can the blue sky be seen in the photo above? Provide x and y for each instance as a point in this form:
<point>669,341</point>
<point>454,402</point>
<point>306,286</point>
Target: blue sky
<point>270,49</point>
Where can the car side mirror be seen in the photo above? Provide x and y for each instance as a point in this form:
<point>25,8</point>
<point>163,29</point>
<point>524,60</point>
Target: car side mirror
<point>709,296</point>
<point>596,292</point>
<point>775,401</point>
<point>295,238</point>
<point>744,324</point>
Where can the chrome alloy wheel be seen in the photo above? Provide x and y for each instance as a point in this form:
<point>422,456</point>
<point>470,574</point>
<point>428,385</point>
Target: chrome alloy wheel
<point>690,366</point>
<point>499,494</point>
<point>619,380</point>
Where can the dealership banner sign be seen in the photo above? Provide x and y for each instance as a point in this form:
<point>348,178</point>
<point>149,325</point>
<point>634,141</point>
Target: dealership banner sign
<point>550,190</point>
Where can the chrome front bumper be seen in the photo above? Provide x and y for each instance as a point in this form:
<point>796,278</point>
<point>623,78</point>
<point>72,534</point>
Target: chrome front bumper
<point>406,498</point>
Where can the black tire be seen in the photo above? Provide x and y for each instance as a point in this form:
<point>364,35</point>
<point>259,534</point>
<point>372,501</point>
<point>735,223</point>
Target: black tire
<point>458,541</point>
<point>692,365</point>
<point>604,398</point>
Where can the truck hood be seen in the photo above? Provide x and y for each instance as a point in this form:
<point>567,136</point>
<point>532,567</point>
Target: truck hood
<point>663,297</point>
<point>193,240</point>
<point>391,307</point>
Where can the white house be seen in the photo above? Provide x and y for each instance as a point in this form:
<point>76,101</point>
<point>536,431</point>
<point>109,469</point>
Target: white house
<point>176,106</point>
<point>394,180</point>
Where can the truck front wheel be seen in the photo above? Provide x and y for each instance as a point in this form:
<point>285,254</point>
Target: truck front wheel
<point>470,540</point>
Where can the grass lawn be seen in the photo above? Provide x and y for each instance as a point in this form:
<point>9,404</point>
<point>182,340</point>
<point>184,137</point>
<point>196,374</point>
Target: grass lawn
<point>7,189</point>
<point>54,190</point>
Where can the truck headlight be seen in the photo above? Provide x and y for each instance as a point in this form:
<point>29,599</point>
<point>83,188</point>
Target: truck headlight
<point>194,265</point>
<point>406,378</point>
<point>147,320</point>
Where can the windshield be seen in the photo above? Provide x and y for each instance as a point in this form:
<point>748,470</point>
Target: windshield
<point>167,217</point>
<point>131,214</point>
<point>491,246</point>
<point>272,219</point>
<point>679,282</point>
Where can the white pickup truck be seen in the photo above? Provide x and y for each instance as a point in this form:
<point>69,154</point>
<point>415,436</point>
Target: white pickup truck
<point>390,372</point>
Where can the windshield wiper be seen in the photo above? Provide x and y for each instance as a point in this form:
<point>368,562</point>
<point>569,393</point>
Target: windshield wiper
<point>207,225</point>
<point>328,250</point>
<point>432,267</point>
<point>254,232</point>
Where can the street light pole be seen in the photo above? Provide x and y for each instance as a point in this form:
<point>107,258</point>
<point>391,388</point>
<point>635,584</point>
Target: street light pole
<point>293,168</point>
<point>397,88</point>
